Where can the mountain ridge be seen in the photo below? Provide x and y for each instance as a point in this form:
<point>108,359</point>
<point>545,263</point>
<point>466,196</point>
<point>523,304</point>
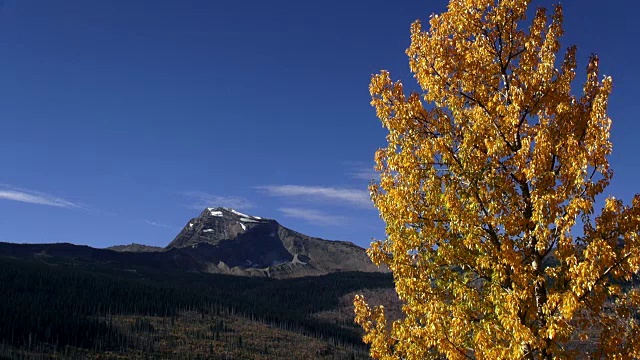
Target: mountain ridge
<point>252,244</point>
<point>218,241</point>
<point>134,247</point>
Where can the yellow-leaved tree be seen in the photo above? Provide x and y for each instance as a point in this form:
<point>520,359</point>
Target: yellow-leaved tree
<point>487,188</point>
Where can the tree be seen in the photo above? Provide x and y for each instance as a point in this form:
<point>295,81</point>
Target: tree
<point>487,188</point>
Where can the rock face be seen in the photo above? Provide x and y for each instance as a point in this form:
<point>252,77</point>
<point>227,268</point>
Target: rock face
<point>220,241</point>
<point>236,243</point>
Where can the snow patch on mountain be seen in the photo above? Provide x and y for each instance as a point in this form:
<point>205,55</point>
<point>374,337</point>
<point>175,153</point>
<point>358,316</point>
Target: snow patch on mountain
<point>214,212</point>
<point>239,213</point>
<point>297,261</point>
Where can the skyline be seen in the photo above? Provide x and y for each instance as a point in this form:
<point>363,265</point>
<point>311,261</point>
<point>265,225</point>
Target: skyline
<point>122,121</point>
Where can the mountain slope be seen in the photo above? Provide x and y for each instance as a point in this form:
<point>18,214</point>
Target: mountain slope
<point>219,241</point>
<point>242,244</point>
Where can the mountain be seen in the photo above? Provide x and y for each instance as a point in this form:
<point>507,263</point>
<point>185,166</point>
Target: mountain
<point>242,244</point>
<point>219,241</point>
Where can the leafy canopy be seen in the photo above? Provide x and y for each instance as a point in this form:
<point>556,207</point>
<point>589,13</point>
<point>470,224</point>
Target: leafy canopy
<point>489,173</point>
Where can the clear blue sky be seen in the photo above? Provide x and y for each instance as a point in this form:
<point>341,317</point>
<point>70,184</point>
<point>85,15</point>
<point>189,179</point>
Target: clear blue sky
<point>120,120</point>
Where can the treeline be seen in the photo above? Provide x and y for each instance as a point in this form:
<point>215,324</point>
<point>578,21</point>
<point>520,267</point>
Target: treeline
<point>53,307</point>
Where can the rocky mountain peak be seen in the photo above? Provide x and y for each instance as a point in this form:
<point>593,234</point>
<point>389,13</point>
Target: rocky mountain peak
<point>223,241</point>
<point>237,243</point>
<point>218,224</point>
<point>228,214</point>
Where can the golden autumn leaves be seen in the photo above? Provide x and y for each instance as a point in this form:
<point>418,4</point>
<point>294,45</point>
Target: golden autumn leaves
<point>489,174</point>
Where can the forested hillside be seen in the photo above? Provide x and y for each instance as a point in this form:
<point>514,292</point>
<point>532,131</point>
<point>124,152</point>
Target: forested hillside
<point>65,311</point>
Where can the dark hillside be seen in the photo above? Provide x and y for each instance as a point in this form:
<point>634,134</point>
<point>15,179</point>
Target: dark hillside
<point>80,309</point>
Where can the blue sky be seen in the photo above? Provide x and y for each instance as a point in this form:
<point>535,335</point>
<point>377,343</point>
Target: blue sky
<point>120,120</point>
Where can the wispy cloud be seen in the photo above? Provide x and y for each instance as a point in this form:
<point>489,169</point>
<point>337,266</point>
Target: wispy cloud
<point>313,216</point>
<point>35,197</point>
<point>355,197</point>
<point>364,174</point>
<point>200,200</point>
<point>360,170</point>
<point>155,223</point>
